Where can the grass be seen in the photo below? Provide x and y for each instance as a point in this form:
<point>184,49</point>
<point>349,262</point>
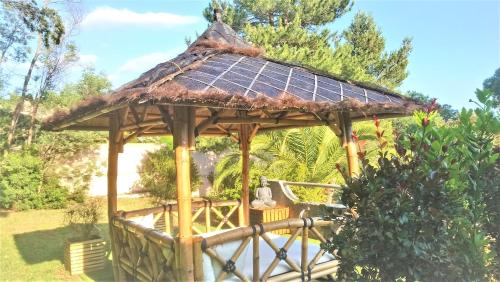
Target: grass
<point>32,244</point>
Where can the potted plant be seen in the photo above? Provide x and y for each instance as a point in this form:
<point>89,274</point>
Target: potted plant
<point>85,251</point>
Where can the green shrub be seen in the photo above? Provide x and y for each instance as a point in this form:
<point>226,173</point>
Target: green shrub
<point>423,212</point>
<point>83,218</point>
<point>24,186</point>
<point>158,175</point>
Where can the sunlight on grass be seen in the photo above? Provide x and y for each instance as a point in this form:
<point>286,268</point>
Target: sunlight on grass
<point>32,244</point>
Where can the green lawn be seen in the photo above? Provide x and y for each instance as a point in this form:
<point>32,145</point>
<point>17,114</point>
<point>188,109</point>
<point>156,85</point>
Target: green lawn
<point>32,244</point>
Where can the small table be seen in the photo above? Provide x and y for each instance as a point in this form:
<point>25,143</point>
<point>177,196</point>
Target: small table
<point>269,215</point>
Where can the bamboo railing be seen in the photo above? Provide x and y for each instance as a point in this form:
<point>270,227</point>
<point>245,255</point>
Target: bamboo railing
<point>207,215</point>
<point>144,254</point>
<point>307,269</point>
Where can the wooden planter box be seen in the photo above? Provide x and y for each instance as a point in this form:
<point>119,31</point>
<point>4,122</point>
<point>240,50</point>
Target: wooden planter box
<point>270,215</point>
<point>84,256</point>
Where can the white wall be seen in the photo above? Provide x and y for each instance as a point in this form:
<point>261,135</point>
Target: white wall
<point>129,162</point>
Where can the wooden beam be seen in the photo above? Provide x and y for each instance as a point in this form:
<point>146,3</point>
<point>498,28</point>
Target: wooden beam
<point>253,133</point>
<point>228,133</point>
<point>88,116</point>
<point>283,127</point>
<point>256,127</point>
<point>207,122</point>
<point>167,119</point>
<point>249,120</point>
<point>244,211</point>
<point>112,177</point>
<point>183,184</point>
<point>135,114</point>
<point>349,145</point>
<point>153,122</point>
<point>192,128</point>
<point>136,134</point>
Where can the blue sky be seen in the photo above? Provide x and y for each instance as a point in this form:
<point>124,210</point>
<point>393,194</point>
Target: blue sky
<point>456,43</point>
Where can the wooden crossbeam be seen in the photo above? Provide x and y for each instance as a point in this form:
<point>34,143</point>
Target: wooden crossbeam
<point>166,117</point>
<point>234,258</point>
<point>222,262</point>
<point>224,218</point>
<point>249,120</point>
<point>207,122</point>
<point>135,114</point>
<point>136,134</point>
<point>228,133</point>
<point>276,260</point>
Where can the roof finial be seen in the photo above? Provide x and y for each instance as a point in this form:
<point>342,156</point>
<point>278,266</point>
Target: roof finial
<point>217,15</point>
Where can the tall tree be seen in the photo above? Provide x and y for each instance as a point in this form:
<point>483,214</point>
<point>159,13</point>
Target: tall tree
<point>493,84</point>
<point>368,58</point>
<point>14,37</point>
<point>54,63</point>
<point>49,27</point>
<point>295,31</point>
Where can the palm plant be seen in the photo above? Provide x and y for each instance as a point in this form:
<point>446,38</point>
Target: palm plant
<point>303,155</point>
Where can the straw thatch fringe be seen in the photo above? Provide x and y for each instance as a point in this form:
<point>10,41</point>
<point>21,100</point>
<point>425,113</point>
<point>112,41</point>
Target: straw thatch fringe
<point>175,93</point>
<point>226,48</point>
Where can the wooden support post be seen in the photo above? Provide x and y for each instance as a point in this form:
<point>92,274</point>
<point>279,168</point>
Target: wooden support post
<point>244,211</point>
<point>349,145</point>
<point>113,149</point>
<point>182,117</point>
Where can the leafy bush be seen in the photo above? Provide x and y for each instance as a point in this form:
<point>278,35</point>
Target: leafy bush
<point>23,184</point>
<point>83,218</point>
<point>423,212</point>
<point>158,175</point>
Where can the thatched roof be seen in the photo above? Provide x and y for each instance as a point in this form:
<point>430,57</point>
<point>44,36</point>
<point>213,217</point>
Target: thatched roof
<point>222,76</point>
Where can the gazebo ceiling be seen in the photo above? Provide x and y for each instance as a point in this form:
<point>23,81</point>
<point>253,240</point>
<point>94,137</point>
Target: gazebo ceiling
<point>230,82</point>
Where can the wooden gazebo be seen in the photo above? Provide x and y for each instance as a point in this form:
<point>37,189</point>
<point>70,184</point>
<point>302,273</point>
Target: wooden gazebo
<point>220,86</point>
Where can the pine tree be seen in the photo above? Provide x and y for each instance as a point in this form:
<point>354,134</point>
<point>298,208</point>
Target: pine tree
<point>295,31</point>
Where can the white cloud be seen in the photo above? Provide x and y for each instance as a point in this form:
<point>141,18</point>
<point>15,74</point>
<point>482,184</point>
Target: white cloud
<point>111,16</point>
<point>87,59</point>
<point>145,61</point>
<point>133,67</point>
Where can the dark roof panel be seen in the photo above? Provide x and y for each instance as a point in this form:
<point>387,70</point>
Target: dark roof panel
<point>220,65</point>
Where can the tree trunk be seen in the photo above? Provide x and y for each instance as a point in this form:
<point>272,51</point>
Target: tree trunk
<point>20,105</point>
<point>31,130</point>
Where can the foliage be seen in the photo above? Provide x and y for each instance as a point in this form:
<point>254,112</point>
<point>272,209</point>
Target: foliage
<point>493,84</point>
<point>24,186</point>
<point>295,31</point>
<point>367,55</point>
<point>270,12</point>
<point>423,213</point>
<point>215,144</point>
<point>70,157</point>
<point>158,174</point>
<point>60,164</point>
<point>14,37</point>
<point>83,218</point>
<point>445,110</point>
<point>41,20</point>
<point>90,84</point>
<point>306,155</point>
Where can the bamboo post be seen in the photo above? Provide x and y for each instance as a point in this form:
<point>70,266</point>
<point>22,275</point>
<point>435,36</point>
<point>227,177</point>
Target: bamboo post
<point>304,249</point>
<point>113,149</point>
<point>349,145</point>
<point>208,222</point>
<point>166,217</point>
<point>244,210</point>
<point>256,257</point>
<point>198,259</point>
<point>182,163</point>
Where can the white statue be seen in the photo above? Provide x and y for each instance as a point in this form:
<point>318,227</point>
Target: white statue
<point>263,196</point>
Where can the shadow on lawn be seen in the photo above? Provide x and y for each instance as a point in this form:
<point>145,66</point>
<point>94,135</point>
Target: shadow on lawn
<point>48,245</point>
